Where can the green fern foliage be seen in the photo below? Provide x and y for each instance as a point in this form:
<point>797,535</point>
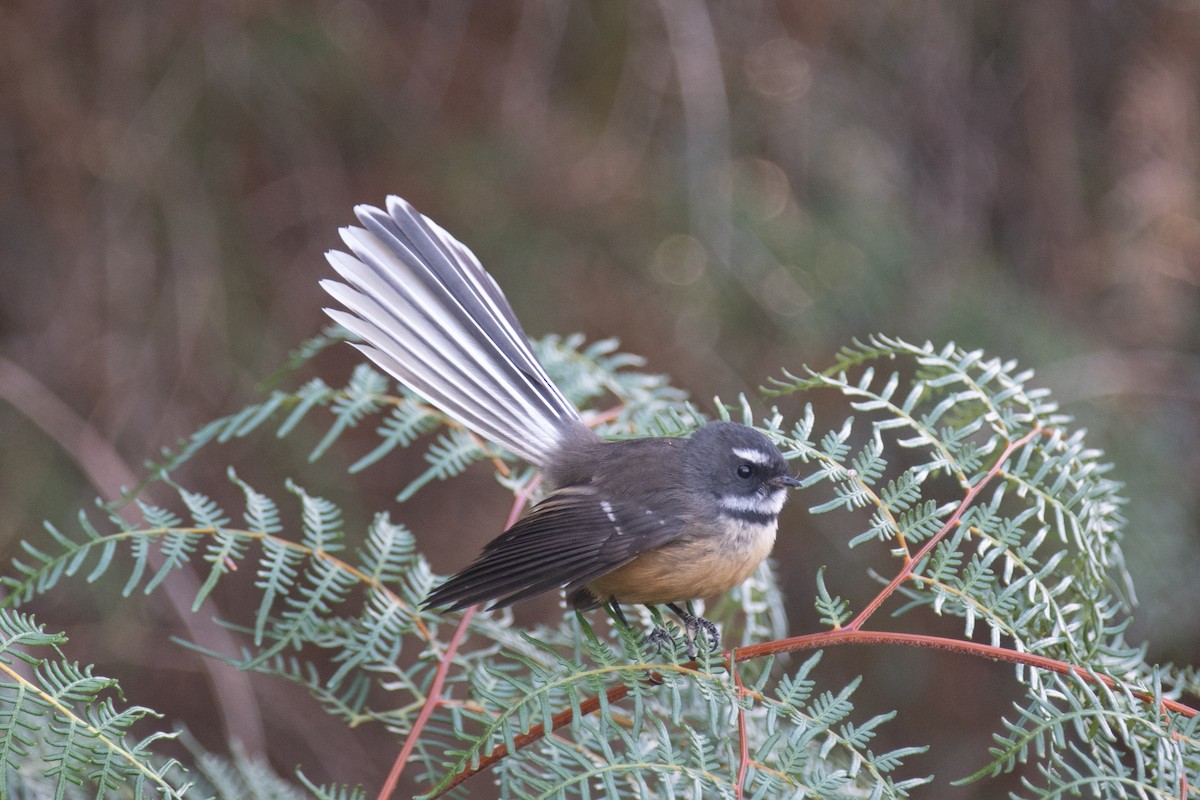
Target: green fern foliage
<point>1035,557</point>
<point>60,727</point>
<point>680,740</point>
<point>991,507</point>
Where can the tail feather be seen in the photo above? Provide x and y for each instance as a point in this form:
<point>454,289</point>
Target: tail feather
<point>437,322</point>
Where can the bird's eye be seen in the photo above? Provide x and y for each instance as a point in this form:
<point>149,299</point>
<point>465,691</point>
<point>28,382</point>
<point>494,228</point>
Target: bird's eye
<point>745,470</point>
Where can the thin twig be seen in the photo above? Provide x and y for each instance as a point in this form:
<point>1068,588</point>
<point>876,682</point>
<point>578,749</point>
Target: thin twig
<point>813,641</point>
<point>432,701</point>
<point>911,564</point>
<point>589,706</point>
<point>434,698</point>
<point>743,743</point>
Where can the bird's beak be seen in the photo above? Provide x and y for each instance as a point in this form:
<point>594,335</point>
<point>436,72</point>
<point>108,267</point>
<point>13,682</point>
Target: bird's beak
<point>786,482</point>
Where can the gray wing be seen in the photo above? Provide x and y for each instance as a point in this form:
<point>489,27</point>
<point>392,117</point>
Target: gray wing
<point>570,538</point>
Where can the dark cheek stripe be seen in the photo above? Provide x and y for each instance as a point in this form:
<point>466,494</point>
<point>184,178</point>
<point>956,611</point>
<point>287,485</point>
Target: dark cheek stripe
<point>751,517</point>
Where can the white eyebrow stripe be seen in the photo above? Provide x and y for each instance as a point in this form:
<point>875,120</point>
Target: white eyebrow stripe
<point>753,456</point>
<point>753,503</point>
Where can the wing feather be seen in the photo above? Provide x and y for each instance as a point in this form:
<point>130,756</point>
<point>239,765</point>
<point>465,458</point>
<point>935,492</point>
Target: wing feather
<point>568,539</point>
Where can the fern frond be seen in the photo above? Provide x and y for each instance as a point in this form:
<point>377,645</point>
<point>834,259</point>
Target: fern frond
<point>58,727</point>
<point>328,792</point>
<point>586,372</point>
<point>1082,733</point>
<point>452,452</point>
<point>362,397</point>
<point>955,411</point>
<point>407,421</point>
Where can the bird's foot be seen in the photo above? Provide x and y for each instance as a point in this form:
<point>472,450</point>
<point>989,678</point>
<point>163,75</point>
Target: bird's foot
<point>660,638</point>
<point>694,623</point>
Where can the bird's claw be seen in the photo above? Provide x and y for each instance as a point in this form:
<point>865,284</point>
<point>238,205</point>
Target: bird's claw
<point>693,624</point>
<point>712,631</point>
<point>660,637</point>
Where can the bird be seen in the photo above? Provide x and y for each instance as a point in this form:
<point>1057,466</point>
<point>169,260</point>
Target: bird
<point>655,521</point>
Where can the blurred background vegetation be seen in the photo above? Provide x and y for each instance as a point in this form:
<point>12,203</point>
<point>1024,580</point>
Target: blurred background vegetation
<point>730,188</point>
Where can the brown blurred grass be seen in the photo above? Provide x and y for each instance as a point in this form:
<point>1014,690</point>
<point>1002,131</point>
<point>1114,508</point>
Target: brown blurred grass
<point>730,188</point>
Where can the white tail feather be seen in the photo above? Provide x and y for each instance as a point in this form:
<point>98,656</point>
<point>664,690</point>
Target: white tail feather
<point>438,323</point>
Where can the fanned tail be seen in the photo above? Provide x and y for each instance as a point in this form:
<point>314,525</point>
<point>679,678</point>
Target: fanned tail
<point>437,322</point>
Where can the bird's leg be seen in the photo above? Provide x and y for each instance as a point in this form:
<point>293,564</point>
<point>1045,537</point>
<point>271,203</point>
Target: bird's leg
<point>657,637</point>
<point>614,611</point>
<point>694,622</point>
